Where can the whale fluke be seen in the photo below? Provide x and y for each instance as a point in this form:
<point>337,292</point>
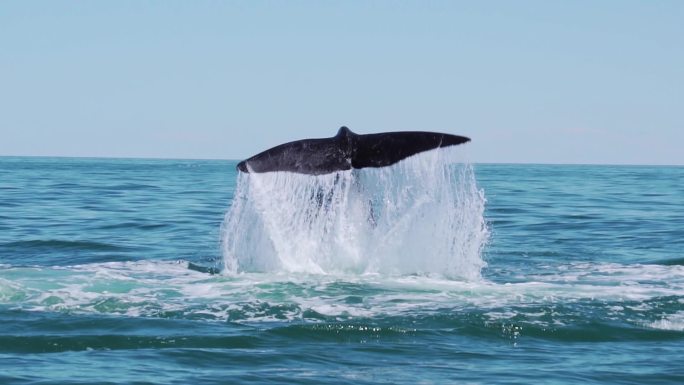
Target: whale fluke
<point>347,150</point>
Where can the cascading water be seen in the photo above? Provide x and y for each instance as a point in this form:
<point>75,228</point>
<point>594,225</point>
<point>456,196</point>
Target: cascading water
<point>423,215</point>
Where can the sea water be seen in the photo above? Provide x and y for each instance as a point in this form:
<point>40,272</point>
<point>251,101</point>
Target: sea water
<point>431,271</point>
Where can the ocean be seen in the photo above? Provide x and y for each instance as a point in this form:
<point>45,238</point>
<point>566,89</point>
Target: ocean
<point>433,271</point>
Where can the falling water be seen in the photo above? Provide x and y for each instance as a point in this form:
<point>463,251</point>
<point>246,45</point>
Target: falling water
<point>423,215</point>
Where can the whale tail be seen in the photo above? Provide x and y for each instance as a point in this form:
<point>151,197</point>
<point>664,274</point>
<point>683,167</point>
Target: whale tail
<point>347,150</point>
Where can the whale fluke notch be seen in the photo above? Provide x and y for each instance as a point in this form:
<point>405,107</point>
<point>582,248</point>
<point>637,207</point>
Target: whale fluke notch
<point>347,150</point>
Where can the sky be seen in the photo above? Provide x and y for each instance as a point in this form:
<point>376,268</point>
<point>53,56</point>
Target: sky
<point>596,82</point>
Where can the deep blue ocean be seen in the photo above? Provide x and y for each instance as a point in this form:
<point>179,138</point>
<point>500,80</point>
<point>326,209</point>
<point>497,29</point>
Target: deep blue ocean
<point>122,271</point>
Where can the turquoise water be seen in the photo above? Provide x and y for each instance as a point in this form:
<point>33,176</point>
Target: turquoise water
<point>566,274</point>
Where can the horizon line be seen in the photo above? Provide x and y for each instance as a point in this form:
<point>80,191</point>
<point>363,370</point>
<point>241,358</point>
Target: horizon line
<point>238,160</point>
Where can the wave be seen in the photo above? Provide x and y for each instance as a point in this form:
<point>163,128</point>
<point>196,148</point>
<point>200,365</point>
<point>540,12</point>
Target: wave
<point>672,262</point>
<point>59,244</point>
<point>134,225</point>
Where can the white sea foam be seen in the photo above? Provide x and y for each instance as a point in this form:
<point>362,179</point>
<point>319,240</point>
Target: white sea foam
<point>672,322</point>
<point>423,215</point>
<point>169,289</point>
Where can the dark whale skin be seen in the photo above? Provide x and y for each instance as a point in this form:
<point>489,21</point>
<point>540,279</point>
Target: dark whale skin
<point>347,150</point>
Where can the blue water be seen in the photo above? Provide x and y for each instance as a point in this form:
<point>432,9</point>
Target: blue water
<point>105,277</point>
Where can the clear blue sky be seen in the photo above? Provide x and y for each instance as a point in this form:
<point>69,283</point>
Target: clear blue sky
<point>529,81</point>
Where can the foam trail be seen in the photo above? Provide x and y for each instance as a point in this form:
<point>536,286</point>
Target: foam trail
<point>423,215</point>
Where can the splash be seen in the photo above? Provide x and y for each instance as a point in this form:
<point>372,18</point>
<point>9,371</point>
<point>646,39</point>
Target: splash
<point>424,215</point>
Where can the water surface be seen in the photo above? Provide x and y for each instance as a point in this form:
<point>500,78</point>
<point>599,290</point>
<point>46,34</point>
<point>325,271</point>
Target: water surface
<point>581,280</point>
